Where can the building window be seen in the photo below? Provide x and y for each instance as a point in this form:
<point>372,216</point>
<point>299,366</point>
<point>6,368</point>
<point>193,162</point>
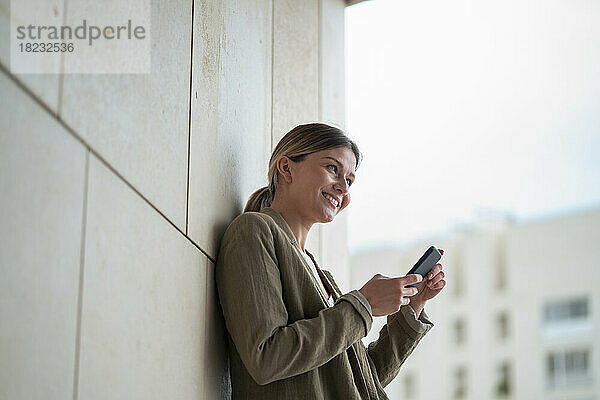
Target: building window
<point>501,275</point>
<point>567,318</point>
<point>504,381</point>
<point>409,387</point>
<point>502,325</point>
<point>458,279</point>
<point>566,368</point>
<point>460,332</point>
<point>566,310</point>
<point>460,383</point>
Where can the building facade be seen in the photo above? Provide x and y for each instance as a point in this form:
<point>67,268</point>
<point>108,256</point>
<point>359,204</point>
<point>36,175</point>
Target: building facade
<point>518,318</point>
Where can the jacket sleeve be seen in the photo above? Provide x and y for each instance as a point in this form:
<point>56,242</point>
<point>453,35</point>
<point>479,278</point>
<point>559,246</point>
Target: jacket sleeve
<point>397,340</point>
<point>250,291</point>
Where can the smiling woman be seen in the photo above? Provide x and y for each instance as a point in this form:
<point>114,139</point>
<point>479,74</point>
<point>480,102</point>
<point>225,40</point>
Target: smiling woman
<point>301,143</point>
<point>291,332</point>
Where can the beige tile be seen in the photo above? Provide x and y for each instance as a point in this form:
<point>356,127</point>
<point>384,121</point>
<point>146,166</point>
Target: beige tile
<point>296,77</point>
<point>295,65</point>
<point>131,30</point>
<point>334,239</point>
<point>143,313</point>
<point>231,108</point>
<point>42,171</point>
<point>332,62</point>
<point>334,255</point>
<point>314,244</point>
<point>217,381</point>
<point>45,86</point>
<point>139,122</point>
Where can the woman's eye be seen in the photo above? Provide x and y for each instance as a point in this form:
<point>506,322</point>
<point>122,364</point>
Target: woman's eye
<point>335,170</point>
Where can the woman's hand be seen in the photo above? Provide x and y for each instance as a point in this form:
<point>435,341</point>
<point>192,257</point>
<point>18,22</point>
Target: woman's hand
<point>430,287</point>
<point>386,295</point>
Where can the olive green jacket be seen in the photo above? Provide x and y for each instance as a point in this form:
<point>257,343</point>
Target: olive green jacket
<point>285,340</point>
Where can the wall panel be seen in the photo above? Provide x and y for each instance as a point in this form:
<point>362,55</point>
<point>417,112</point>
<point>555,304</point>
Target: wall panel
<point>334,238</point>
<point>42,177</point>
<point>296,76</point>
<point>231,93</point>
<point>45,86</point>
<point>217,382</point>
<point>143,312</point>
<point>139,122</point>
<point>295,65</point>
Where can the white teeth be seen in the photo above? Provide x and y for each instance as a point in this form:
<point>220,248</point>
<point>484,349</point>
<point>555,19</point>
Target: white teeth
<point>331,199</point>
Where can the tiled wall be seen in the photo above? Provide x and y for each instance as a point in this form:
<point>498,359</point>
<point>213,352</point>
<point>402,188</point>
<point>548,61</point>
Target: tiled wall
<point>115,191</point>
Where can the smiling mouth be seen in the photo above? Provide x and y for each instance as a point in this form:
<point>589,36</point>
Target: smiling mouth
<point>329,202</point>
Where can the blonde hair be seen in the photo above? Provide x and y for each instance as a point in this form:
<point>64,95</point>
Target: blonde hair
<point>296,145</point>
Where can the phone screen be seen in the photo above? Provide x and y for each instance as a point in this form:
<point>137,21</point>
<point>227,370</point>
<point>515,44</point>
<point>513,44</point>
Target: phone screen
<point>425,263</point>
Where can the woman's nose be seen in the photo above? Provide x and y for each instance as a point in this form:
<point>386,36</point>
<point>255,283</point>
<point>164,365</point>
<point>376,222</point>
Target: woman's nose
<point>342,188</point>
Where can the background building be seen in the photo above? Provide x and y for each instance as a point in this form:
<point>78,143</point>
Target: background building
<point>518,318</point>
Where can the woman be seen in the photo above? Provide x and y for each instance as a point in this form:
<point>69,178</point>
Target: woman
<point>292,333</point>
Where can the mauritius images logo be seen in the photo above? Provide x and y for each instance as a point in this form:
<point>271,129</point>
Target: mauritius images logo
<point>89,37</point>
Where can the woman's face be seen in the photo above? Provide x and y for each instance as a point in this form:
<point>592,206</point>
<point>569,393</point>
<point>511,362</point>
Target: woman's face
<point>320,175</point>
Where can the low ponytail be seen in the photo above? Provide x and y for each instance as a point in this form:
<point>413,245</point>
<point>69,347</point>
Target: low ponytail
<point>259,199</point>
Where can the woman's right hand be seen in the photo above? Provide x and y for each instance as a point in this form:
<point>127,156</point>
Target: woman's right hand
<point>386,295</point>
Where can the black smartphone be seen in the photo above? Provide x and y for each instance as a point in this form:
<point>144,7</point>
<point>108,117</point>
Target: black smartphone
<point>425,264</point>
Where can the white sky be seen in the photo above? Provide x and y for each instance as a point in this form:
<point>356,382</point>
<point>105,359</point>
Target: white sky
<point>459,106</point>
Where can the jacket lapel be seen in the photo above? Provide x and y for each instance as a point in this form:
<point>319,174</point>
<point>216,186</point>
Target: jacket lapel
<point>325,278</point>
<point>282,223</point>
<point>330,283</point>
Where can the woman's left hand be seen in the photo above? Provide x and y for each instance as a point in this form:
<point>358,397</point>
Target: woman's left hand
<point>431,286</point>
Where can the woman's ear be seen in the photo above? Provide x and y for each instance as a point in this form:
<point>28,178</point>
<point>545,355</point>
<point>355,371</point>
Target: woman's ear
<point>284,168</point>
